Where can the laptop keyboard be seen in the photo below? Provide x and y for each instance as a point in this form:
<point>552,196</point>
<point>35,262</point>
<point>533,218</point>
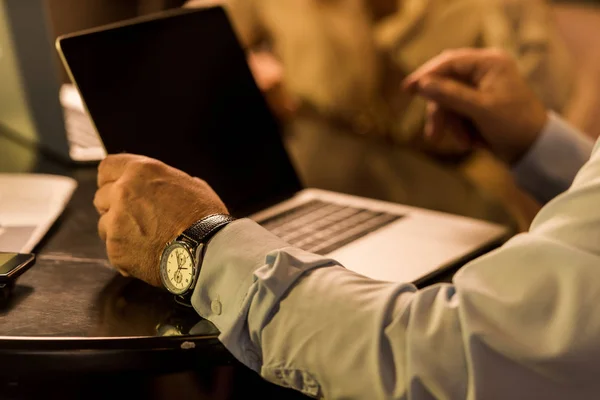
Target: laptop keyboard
<point>80,130</point>
<point>321,227</point>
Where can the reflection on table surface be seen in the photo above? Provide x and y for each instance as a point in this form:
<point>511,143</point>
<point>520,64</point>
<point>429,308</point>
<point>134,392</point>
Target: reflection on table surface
<point>63,298</point>
<point>128,307</point>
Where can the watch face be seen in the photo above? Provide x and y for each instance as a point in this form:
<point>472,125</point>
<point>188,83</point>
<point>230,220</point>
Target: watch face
<point>177,268</point>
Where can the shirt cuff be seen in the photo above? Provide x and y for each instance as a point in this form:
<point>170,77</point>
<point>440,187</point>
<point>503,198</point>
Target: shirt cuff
<point>246,270</point>
<point>551,164</point>
<point>227,269</point>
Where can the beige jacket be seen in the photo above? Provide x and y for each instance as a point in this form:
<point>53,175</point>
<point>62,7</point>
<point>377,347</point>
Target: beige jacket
<point>337,58</point>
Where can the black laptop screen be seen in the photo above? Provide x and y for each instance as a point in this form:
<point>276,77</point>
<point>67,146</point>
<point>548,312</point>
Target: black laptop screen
<point>178,89</point>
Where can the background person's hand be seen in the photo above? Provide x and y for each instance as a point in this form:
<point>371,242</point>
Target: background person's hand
<point>143,205</point>
<point>479,96</point>
<point>268,73</point>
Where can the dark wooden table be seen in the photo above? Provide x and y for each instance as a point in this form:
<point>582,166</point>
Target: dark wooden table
<point>74,328</point>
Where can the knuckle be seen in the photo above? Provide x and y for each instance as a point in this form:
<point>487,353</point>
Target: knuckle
<point>100,209</point>
<point>105,228</point>
<point>137,167</point>
<point>106,222</point>
<point>102,232</point>
<point>142,171</point>
<point>144,166</point>
<point>106,161</point>
<point>200,182</point>
<point>121,191</point>
<point>103,162</point>
<point>102,167</point>
<point>96,200</point>
<point>113,252</point>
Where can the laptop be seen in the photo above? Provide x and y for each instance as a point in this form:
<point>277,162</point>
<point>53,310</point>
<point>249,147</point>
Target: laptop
<point>31,94</point>
<point>176,87</point>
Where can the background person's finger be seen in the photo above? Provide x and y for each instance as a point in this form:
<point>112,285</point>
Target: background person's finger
<point>437,125</point>
<point>460,63</point>
<point>452,95</point>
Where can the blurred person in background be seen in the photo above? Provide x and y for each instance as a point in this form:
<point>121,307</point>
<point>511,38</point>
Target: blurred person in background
<point>346,59</point>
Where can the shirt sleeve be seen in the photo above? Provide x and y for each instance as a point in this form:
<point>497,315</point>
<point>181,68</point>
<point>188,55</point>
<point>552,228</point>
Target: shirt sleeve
<point>519,323</point>
<point>550,166</point>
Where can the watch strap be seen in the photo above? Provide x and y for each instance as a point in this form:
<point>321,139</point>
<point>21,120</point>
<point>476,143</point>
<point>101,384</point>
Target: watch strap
<point>204,229</point>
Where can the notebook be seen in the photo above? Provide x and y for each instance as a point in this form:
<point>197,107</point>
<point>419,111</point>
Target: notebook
<point>29,205</point>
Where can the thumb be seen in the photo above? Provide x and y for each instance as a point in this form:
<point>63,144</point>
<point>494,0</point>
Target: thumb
<point>452,95</point>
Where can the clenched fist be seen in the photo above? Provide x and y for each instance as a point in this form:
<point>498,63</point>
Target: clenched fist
<point>143,205</point>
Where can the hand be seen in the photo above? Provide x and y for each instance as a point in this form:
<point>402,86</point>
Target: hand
<point>143,205</point>
<point>479,96</point>
<point>268,73</point>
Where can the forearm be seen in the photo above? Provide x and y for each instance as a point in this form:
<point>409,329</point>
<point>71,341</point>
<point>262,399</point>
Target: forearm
<point>517,323</point>
<point>339,335</point>
<point>296,317</point>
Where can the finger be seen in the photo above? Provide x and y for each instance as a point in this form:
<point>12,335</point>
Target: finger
<point>452,95</point>
<point>462,64</point>
<point>267,70</point>
<point>102,198</point>
<point>113,166</point>
<point>103,224</point>
<point>123,272</point>
<point>103,227</point>
<point>435,128</point>
<point>428,129</point>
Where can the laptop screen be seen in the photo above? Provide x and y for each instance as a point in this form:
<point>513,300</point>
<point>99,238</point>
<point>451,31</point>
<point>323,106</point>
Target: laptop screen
<point>179,89</point>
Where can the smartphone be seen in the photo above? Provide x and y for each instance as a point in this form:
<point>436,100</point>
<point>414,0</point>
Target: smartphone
<point>12,265</point>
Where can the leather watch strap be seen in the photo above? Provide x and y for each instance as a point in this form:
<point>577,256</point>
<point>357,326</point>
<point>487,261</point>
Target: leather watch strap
<point>207,227</point>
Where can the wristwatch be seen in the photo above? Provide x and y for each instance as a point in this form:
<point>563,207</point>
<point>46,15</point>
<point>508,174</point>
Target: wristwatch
<point>179,268</point>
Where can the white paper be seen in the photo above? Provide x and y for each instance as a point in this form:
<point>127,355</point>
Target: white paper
<point>29,205</point>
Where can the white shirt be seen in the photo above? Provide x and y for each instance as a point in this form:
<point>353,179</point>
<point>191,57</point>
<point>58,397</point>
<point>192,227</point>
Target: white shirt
<point>554,160</point>
<point>522,322</point>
